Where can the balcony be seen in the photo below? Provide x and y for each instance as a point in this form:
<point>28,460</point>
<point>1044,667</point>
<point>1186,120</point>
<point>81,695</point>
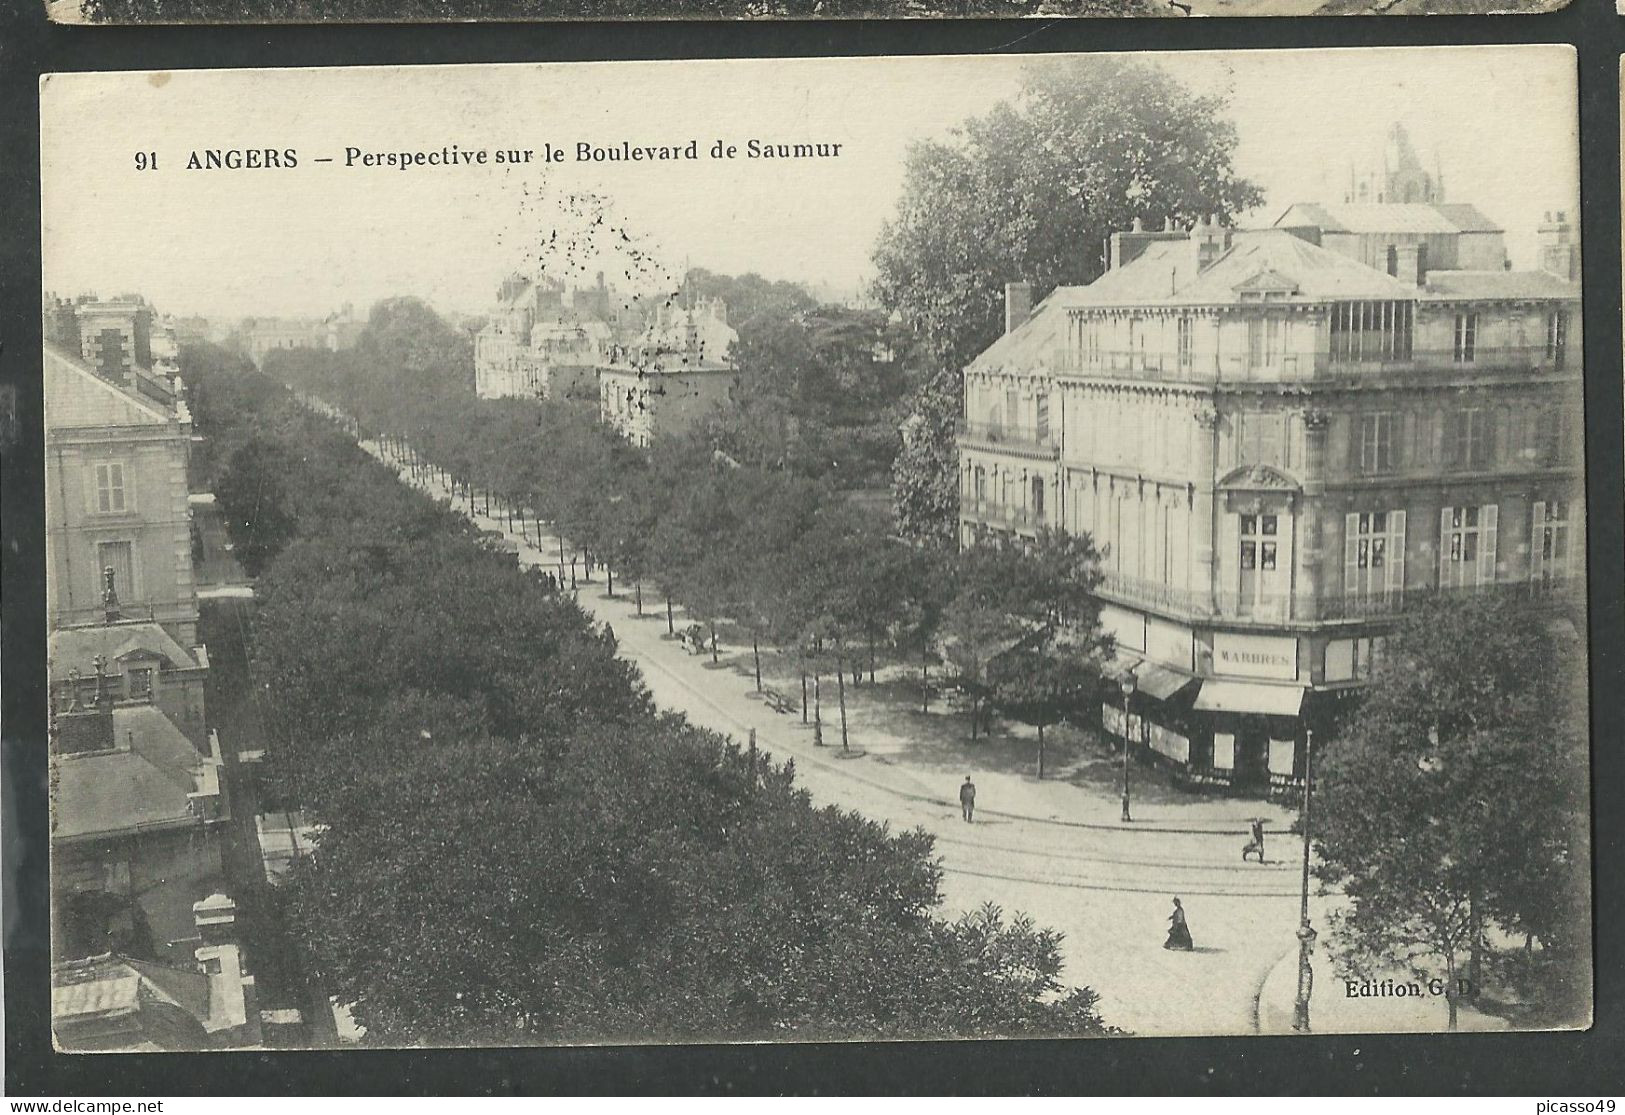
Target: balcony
<point>1242,368</point>
<point>998,516</point>
<point>1040,440</point>
<point>1327,607</point>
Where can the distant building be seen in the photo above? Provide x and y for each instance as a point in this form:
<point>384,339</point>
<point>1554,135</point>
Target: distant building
<point>334,333</point>
<point>1280,439</point>
<point>546,340</point>
<point>676,374</point>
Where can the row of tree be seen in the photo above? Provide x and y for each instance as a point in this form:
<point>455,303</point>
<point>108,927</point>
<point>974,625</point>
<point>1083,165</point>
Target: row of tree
<point>785,560</point>
<point>515,847</point>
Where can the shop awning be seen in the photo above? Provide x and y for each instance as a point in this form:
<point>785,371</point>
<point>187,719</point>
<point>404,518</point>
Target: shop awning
<point>1160,681</point>
<point>1250,696</point>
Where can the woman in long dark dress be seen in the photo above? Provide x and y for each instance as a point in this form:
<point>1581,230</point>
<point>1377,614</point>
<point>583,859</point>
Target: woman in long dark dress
<point>1179,934</point>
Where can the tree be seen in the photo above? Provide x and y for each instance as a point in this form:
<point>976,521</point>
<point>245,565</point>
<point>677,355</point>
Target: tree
<point>1031,191</point>
<point>442,717</point>
<point>254,498</point>
<point>1454,797</point>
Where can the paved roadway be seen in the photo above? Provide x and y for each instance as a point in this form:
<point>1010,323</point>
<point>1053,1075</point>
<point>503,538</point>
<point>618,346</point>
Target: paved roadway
<point>1054,850</point>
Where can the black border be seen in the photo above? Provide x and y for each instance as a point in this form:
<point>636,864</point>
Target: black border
<point>1553,1065</point>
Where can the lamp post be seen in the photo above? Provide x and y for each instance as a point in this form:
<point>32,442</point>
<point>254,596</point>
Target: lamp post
<point>1306,933</point>
<point>1128,691</point>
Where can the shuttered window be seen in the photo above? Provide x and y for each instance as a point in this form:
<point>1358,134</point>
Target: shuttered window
<point>1374,556</point>
<point>1467,546</point>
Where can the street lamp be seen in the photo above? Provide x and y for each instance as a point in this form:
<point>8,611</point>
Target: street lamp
<point>1306,933</point>
<point>1128,691</point>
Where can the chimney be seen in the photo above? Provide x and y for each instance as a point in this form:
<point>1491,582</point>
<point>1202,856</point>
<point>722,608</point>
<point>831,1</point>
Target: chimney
<point>79,729</point>
<point>1209,241</point>
<point>1410,264</point>
<point>216,919</point>
<point>1559,254</point>
<point>1018,305</point>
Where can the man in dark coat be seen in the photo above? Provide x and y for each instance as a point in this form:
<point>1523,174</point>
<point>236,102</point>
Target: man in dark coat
<point>967,798</point>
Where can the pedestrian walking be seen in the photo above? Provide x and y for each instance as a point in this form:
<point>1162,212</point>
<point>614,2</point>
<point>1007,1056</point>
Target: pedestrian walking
<point>967,798</point>
<point>1179,934</point>
<point>1255,846</point>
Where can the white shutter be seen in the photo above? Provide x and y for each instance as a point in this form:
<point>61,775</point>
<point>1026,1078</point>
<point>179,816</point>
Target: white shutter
<point>1574,542</point>
<point>1445,580</point>
<point>1486,543</point>
<point>1351,555</point>
<point>1537,536</point>
<point>1396,554</point>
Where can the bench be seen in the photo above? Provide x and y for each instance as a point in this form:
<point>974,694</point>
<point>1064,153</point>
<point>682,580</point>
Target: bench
<point>779,703</point>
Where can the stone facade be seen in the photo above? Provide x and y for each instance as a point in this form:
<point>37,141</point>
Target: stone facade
<point>678,372</point>
<point>115,493</point>
<point>1277,445</point>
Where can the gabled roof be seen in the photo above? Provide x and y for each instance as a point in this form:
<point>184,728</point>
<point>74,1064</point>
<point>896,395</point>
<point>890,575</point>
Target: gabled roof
<point>76,397</point>
<point>1375,217</point>
<point>143,783</point>
<point>77,647</point>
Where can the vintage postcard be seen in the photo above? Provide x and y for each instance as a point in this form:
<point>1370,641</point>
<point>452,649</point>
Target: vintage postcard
<point>663,552</point>
<point>440,11</point>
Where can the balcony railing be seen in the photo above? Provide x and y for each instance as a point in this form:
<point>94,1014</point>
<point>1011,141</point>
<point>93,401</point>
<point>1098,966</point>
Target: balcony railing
<point>1004,433</point>
<point>96,614</point>
<point>999,515</point>
<point>1285,607</point>
<point>1292,366</point>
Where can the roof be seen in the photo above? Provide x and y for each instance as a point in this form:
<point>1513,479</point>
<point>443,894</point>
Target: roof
<point>111,1002</point>
<point>1446,285</point>
<point>76,397</point>
<point>77,647</point>
<point>1375,217</point>
<point>144,783</point>
<point>1165,273</point>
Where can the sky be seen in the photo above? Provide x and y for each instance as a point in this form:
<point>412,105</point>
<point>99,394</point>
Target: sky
<point>1499,121</point>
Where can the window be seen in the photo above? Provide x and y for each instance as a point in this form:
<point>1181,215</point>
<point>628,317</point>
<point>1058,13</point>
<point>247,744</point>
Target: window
<point>1012,406</point>
<point>1038,500</point>
<point>120,558</point>
<point>1264,342</point>
<point>1469,438</point>
<point>1467,546</point>
<point>1371,332</point>
<point>1041,418</point>
<point>1259,559</point>
<point>110,488</point>
<point>140,678</point>
<point>1374,556</point>
<point>1546,436</point>
<point>1351,659</point>
<point>1551,542</point>
<point>1186,331</point>
<point>1466,338</point>
<point>1557,336</point>
<point>1379,442</point>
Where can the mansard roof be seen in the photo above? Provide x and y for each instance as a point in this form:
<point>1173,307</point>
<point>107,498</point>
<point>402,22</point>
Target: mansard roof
<point>1165,274</point>
<point>78,398</point>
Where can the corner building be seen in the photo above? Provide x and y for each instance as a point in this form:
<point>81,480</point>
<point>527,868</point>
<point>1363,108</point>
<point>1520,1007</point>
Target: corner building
<point>1280,439</point>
